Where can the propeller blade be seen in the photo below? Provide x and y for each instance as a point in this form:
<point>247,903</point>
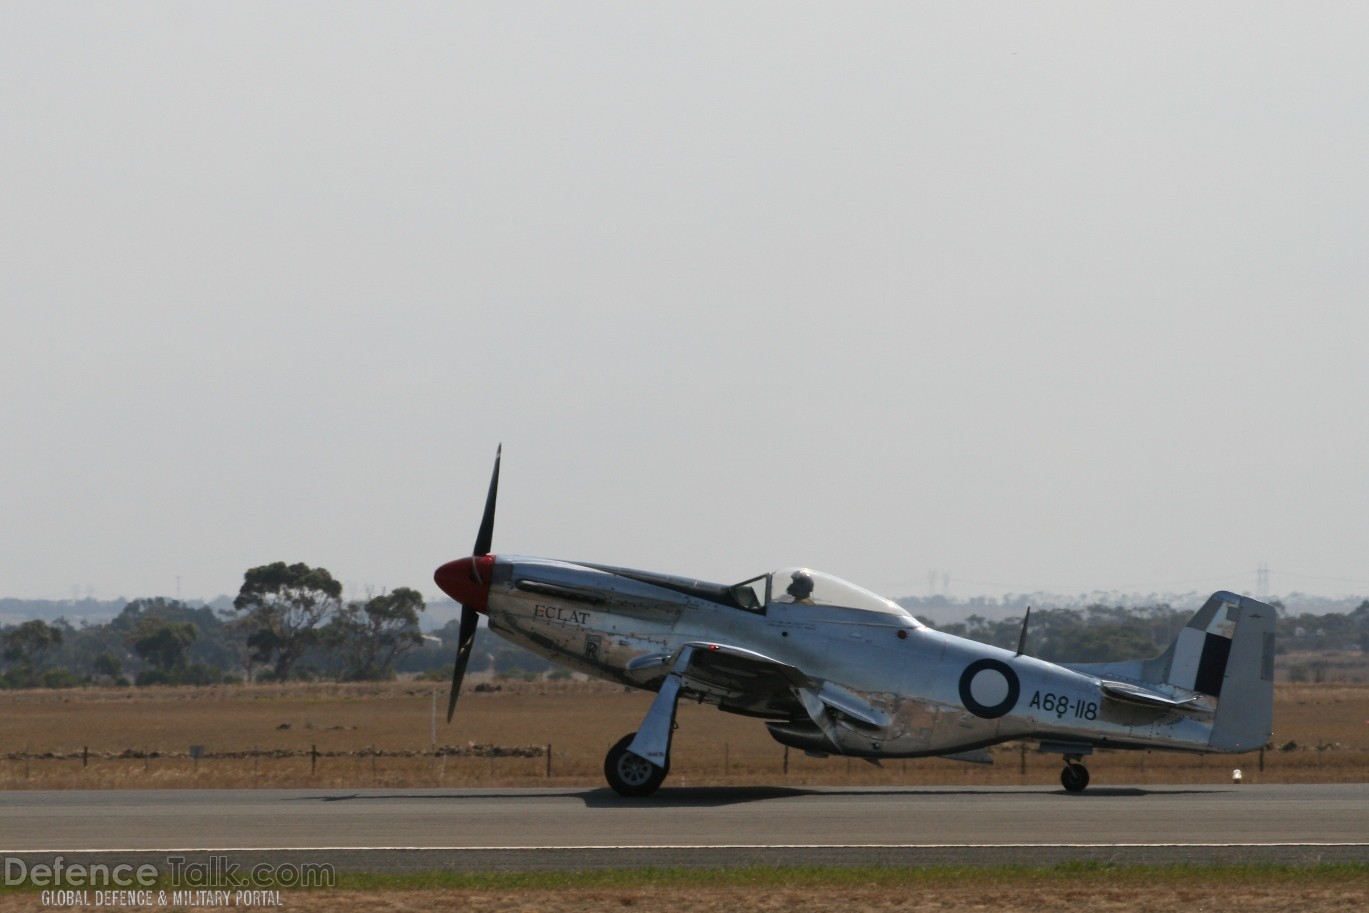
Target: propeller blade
<point>485,538</point>
<point>456,579</point>
<point>469,620</point>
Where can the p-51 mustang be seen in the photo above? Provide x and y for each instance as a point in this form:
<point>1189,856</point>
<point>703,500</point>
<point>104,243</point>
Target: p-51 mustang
<point>836,669</point>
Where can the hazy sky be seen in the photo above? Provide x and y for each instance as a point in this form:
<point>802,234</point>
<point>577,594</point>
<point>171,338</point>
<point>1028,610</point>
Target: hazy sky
<point>1033,296</point>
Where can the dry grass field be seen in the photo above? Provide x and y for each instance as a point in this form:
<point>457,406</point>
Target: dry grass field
<point>999,895</point>
<point>381,735</point>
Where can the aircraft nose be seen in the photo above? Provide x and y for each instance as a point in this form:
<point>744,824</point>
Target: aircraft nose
<point>467,580</point>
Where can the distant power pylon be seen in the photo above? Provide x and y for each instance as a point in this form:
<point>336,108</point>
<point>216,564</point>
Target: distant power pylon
<point>1262,581</point>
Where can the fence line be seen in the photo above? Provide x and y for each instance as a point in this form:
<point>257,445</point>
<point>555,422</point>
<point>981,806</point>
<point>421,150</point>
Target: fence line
<point>1015,764</point>
<point>456,751</point>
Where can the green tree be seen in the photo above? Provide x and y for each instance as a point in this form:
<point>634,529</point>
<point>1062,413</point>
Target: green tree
<point>163,645</point>
<point>283,607</point>
<point>25,647</point>
<point>372,636</point>
<point>108,665</point>
<point>216,644</point>
<point>26,643</point>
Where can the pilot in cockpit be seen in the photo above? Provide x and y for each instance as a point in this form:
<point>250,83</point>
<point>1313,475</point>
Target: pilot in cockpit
<point>800,588</point>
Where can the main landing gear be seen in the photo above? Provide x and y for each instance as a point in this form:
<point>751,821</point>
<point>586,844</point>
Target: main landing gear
<point>629,774</point>
<point>1075,776</point>
<point>639,762</point>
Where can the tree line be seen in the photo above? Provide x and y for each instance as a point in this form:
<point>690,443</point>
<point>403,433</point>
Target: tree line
<point>1102,633</point>
<point>288,622</point>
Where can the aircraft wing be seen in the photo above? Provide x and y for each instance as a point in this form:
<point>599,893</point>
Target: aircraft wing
<point>743,681</point>
<point>746,682</point>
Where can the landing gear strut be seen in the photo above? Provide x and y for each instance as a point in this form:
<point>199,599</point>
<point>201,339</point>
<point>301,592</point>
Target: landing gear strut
<point>1075,776</point>
<point>640,761</point>
<point>629,774</point>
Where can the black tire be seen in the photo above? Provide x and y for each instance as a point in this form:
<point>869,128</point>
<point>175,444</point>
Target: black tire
<point>1074,777</point>
<point>629,774</point>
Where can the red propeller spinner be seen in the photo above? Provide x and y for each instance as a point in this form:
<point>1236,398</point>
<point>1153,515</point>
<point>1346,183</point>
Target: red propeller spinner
<point>467,580</point>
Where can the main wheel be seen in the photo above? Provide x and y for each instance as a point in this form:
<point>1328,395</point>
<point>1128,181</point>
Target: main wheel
<point>629,774</point>
<point>1074,777</point>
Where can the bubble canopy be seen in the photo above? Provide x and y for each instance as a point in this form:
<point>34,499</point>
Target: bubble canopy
<point>806,586</point>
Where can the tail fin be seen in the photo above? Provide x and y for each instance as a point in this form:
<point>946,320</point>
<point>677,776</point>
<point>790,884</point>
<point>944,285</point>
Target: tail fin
<point>1224,656</point>
<point>1226,651</point>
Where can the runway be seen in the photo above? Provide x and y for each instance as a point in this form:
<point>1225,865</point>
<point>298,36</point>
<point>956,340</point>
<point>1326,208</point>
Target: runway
<point>479,830</point>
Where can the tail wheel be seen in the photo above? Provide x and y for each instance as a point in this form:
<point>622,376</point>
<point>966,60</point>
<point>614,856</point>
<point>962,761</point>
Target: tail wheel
<point>1074,777</point>
<point>629,774</point>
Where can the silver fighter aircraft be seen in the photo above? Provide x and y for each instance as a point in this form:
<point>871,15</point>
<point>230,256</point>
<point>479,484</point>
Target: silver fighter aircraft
<point>836,669</point>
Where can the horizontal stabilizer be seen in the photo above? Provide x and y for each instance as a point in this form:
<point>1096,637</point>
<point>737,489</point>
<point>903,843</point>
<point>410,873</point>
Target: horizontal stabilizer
<point>1135,694</point>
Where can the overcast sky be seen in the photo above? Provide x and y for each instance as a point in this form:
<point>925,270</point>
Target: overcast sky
<point>1026,296</point>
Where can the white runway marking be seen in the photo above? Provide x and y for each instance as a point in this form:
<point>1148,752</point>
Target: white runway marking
<point>689,846</point>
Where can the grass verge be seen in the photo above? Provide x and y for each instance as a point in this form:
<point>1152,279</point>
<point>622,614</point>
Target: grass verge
<point>859,876</point>
<point>1067,888</point>
<point>819,877</point>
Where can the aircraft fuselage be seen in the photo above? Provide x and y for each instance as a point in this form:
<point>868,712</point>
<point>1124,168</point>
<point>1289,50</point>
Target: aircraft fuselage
<point>894,687</point>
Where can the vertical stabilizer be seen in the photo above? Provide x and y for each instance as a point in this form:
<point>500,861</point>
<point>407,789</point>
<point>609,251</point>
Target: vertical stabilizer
<point>1226,651</point>
<point>1225,656</point>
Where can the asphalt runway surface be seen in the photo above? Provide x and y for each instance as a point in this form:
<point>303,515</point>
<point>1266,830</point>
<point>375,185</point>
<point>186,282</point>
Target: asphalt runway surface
<point>493,829</point>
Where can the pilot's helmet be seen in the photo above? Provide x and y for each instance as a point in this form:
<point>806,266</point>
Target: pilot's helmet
<point>801,586</point>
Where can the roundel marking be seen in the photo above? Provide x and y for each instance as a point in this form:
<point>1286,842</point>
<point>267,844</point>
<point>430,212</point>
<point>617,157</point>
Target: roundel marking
<point>986,680</point>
